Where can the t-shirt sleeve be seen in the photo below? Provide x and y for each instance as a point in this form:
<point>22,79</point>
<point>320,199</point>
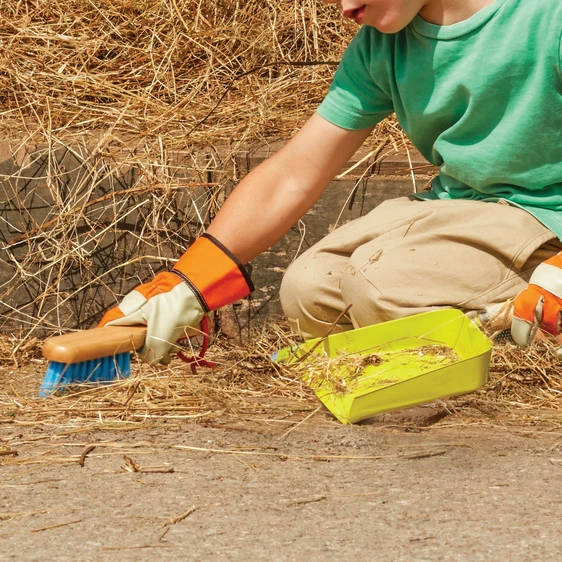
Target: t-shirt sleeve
<point>355,100</point>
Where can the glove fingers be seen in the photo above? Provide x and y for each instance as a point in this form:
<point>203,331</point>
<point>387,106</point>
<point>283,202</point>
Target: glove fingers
<point>523,332</point>
<point>169,322</point>
<point>111,315</point>
<point>527,315</point>
<point>128,313</point>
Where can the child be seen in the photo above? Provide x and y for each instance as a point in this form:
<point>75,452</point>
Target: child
<point>477,86</point>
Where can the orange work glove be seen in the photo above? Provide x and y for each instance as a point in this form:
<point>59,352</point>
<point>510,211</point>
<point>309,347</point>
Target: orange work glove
<point>172,305</point>
<point>540,304</point>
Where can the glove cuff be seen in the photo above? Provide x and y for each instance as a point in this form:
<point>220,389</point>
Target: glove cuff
<point>213,273</point>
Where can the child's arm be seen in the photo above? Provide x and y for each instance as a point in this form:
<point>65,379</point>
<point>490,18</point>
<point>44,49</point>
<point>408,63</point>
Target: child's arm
<point>259,211</point>
<point>270,199</point>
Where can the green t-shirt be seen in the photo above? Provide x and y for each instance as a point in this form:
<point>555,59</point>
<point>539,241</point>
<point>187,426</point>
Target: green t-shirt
<point>481,99</point>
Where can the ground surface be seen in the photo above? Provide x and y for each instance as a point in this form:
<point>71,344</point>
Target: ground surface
<point>438,482</point>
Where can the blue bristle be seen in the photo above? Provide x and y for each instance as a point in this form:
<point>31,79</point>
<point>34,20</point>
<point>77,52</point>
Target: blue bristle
<point>95,372</point>
<point>124,362</point>
<point>105,369</point>
<point>81,373</point>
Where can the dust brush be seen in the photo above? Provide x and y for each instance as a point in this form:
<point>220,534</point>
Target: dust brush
<point>90,356</point>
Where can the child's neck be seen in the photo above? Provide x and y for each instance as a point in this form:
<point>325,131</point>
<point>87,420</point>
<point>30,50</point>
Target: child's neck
<point>448,12</point>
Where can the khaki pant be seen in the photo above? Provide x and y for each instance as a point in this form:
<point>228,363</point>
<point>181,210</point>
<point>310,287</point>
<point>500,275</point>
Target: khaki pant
<point>409,256</point>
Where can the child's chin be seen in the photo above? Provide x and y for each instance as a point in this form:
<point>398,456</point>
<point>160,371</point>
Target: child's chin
<point>386,27</point>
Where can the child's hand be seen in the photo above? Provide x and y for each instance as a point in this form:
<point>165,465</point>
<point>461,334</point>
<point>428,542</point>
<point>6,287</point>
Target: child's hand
<point>173,304</point>
<point>540,304</point>
<point>169,309</point>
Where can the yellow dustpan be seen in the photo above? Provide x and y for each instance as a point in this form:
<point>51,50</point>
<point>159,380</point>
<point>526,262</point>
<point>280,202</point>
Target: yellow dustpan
<point>393,365</point>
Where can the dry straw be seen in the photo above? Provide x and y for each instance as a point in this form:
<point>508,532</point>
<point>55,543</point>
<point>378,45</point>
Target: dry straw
<point>126,119</point>
<point>183,70</point>
<point>247,388</point>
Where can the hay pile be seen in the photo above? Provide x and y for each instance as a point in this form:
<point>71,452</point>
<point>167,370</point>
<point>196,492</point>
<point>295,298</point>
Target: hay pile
<point>183,71</point>
<point>125,118</point>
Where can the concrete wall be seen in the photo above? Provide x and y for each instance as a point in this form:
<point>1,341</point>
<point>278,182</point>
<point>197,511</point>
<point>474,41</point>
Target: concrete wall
<point>36,296</point>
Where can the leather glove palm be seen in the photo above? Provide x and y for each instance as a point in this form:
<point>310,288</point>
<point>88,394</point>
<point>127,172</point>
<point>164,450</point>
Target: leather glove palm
<point>540,304</point>
<point>173,304</point>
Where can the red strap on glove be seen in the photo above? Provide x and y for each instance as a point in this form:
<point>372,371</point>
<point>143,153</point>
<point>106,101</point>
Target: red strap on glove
<point>540,304</point>
<point>198,361</point>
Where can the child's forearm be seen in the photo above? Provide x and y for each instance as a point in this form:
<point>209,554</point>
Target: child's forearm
<point>262,208</point>
<point>272,198</point>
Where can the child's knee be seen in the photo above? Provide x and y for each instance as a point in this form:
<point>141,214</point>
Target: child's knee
<point>290,290</point>
<point>310,296</point>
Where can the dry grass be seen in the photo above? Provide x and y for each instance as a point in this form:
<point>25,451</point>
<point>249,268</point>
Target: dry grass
<point>345,373</point>
<point>126,118</point>
<point>248,387</point>
<point>523,379</point>
<point>182,70</point>
<point>246,384</point>
<point>245,392</point>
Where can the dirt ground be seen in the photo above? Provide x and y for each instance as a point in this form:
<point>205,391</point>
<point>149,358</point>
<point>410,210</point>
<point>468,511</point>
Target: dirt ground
<point>431,483</point>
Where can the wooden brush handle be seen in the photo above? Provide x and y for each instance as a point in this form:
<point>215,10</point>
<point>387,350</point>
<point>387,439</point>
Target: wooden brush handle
<point>94,344</point>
